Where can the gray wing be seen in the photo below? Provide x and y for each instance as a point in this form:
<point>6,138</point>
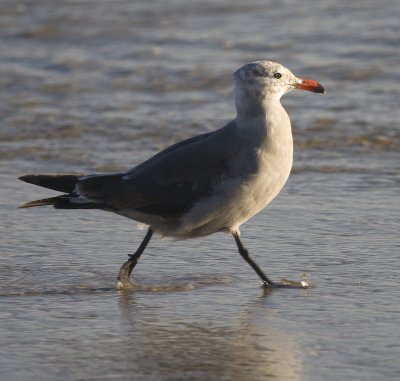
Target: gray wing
<point>169,183</point>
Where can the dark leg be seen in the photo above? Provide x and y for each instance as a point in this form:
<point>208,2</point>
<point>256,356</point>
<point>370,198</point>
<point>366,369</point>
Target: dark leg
<point>245,255</point>
<point>127,267</point>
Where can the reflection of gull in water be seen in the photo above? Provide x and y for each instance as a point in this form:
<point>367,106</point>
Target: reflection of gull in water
<point>175,343</point>
<point>264,354</point>
<point>206,184</point>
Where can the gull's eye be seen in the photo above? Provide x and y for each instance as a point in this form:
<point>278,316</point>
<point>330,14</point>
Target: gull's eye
<point>277,75</point>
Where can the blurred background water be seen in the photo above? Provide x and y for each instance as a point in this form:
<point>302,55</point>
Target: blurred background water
<point>93,86</point>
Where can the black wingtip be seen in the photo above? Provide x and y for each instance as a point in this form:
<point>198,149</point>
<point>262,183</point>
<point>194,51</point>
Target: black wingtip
<point>58,182</point>
<point>25,178</point>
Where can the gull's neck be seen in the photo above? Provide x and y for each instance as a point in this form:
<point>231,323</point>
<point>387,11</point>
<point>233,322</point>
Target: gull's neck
<point>264,113</point>
<point>265,134</point>
<point>250,103</point>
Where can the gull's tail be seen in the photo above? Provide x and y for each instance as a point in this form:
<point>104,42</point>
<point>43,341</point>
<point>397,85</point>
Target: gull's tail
<point>44,201</point>
<point>62,183</point>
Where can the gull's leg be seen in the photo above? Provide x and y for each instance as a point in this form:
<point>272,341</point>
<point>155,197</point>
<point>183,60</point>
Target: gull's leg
<point>127,267</point>
<point>245,255</point>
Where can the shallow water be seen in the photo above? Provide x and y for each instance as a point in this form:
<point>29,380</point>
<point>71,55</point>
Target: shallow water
<point>97,86</point>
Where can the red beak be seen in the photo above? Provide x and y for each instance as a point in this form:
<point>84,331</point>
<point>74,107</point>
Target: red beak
<point>310,85</point>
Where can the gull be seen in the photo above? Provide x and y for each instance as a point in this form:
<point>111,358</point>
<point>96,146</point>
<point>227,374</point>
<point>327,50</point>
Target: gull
<point>210,183</point>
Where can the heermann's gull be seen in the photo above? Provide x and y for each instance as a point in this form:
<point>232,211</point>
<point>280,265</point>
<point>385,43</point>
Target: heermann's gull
<point>209,183</point>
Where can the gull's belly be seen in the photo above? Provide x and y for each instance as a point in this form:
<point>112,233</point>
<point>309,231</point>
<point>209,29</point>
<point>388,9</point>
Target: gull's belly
<point>261,190</point>
<point>234,202</point>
